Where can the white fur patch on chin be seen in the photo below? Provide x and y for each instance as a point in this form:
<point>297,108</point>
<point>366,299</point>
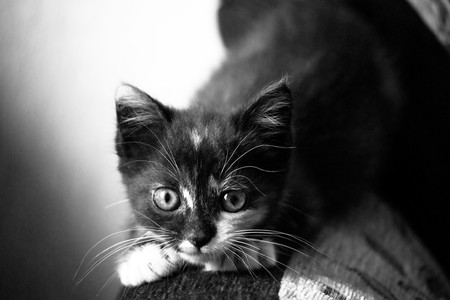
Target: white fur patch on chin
<point>146,264</point>
<point>198,260</point>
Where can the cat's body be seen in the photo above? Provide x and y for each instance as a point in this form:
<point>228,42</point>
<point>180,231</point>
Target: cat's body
<point>293,128</point>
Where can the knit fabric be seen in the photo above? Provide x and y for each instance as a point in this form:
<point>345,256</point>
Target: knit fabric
<point>371,254</point>
<point>195,284</point>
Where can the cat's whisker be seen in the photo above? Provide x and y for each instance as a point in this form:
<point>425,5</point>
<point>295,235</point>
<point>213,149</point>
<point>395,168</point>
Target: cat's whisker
<point>245,177</point>
<point>282,235</point>
<point>122,245</point>
<point>230,183</point>
<point>277,262</point>
<point>118,244</point>
<point>123,248</point>
<point>136,142</point>
<point>154,148</point>
<point>141,143</point>
<point>111,278</point>
<point>157,233</point>
<point>134,241</point>
<point>257,231</point>
<point>240,241</point>
<point>237,253</point>
<point>159,226</point>
<point>117,247</point>
<point>183,267</point>
<point>258,262</point>
<point>166,170</point>
<point>101,260</point>
<point>234,151</point>
<point>224,164</point>
<point>283,246</point>
<point>270,232</point>
<point>214,258</point>
<point>173,164</point>
<point>116,203</point>
<point>299,211</point>
<point>254,148</point>
<point>257,168</point>
<point>96,244</point>
<point>167,244</point>
<point>229,258</point>
<point>172,156</point>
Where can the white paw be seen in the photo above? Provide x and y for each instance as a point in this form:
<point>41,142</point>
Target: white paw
<point>146,264</point>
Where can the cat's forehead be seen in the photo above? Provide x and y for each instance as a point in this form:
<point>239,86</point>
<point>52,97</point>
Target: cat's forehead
<point>196,130</point>
<point>197,135</point>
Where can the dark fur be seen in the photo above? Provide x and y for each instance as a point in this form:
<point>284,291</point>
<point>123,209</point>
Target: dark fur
<point>414,177</point>
<point>351,94</point>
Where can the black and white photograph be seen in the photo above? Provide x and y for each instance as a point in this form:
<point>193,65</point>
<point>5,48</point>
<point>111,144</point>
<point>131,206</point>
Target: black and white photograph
<point>225,149</point>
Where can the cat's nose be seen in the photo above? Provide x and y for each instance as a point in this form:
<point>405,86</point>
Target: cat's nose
<point>200,232</point>
<point>199,240</point>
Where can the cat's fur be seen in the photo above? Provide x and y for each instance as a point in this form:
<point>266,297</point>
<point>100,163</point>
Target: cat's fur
<point>201,155</point>
<point>299,119</point>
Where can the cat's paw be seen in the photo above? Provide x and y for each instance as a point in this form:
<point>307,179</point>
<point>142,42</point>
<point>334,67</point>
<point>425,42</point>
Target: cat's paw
<point>146,264</point>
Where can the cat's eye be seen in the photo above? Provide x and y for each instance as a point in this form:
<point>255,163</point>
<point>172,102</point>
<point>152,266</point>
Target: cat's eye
<point>166,199</point>
<point>233,201</point>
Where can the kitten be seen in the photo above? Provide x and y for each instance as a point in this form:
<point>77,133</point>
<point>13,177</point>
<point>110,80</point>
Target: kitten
<point>294,125</point>
<point>202,185</point>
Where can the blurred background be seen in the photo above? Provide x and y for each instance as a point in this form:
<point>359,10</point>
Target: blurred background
<point>60,64</point>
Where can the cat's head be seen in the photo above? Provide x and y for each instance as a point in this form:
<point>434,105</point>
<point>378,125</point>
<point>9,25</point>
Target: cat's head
<point>196,180</point>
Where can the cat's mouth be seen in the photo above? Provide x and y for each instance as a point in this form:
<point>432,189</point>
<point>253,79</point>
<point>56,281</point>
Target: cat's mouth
<point>188,248</point>
<point>192,254</point>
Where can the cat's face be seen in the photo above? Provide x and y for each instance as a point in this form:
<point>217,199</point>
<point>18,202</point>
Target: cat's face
<point>197,180</point>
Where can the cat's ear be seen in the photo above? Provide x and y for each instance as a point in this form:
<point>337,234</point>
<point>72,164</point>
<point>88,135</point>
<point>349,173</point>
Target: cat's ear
<point>136,109</point>
<point>270,114</point>
<point>140,119</point>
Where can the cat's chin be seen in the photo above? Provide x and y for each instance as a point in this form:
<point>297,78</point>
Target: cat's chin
<point>209,262</point>
<point>193,255</point>
<point>198,258</point>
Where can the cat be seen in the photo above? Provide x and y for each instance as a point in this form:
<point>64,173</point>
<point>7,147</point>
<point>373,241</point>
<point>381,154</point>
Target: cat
<point>200,181</point>
<point>295,127</point>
